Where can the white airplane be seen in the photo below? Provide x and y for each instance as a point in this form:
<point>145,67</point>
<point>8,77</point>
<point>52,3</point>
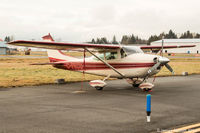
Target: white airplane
<point>115,61</point>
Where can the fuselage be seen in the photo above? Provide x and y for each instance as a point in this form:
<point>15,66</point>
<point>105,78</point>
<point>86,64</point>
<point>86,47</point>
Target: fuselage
<point>131,66</point>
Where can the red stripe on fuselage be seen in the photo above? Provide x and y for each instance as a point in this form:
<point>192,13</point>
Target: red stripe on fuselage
<point>97,65</point>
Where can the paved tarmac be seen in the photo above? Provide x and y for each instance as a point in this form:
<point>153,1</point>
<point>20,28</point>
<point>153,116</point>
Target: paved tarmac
<point>118,108</point>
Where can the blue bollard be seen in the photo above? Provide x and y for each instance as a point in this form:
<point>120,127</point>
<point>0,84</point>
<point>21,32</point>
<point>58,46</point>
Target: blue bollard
<point>148,107</point>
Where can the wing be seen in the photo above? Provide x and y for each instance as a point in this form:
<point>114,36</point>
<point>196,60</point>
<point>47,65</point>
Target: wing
<point>165,47</point>
<point>64,46</point>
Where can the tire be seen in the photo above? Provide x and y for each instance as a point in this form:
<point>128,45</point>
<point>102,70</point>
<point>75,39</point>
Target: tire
<point>147,90</point>
<point>136,85</point>
<point>99,88</point>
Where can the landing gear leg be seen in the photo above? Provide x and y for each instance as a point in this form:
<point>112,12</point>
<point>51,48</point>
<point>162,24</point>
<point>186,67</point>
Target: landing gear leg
<point>106,78</point>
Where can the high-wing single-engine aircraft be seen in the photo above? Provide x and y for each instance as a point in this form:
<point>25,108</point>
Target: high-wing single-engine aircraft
<point>115,61</point>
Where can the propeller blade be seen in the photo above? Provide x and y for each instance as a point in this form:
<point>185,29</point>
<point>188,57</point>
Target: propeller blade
<point>154,67</point>
<point>169,68</point>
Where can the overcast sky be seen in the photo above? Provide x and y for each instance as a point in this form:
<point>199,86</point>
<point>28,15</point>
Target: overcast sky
<point>82,20</point>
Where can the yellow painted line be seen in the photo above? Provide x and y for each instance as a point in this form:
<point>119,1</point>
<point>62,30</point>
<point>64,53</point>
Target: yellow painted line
<point>193,131</point>
<point>183,128</point>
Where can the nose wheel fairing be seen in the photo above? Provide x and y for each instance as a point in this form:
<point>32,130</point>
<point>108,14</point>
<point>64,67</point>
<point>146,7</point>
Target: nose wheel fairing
<point>146,86</point>
<point>98,84</point>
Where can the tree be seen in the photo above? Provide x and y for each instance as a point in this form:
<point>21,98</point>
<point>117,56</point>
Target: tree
<point>187,34</point>
<point>114,41</point>
<point>170,35</point>
<point>7,39</point>
<point>197,35</point>
<point>98,41</point>
<point>93,41</point>
<point>104,40</point>
<point>132,39</point>
<point>124,39</point>
<point>153,38</point>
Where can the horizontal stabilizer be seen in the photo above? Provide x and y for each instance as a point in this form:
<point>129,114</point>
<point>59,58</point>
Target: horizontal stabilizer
<point>50,63</point>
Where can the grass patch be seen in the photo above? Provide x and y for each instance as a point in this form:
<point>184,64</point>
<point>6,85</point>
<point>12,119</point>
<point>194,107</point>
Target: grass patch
<point>18,72</point>
<point>192,67</point>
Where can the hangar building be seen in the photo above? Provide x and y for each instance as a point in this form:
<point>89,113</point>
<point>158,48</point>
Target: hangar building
<point>3,48</point>
<point>180,42</point>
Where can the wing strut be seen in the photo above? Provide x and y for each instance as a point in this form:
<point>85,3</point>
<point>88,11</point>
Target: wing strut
<point>105,63</point>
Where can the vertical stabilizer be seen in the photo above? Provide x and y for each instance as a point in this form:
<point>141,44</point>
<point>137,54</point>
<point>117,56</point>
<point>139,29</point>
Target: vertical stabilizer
<point>48,38</point>
<point>56,55</point>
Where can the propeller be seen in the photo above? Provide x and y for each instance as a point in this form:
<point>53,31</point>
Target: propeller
<point>160,61</point>
<point>152,69</point>
<point>169,68</point>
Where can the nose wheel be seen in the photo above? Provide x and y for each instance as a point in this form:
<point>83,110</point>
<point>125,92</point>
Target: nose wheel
<point>99,88</point>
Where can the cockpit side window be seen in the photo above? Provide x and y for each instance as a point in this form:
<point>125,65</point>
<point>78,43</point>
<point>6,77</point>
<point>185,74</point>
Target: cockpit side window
<point>108,56</point>
<point>111,55</point>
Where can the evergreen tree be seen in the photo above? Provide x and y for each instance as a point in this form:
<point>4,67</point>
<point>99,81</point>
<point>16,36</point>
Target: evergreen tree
<point>162,35</point>
<point>197,35</point>
<point>124,39</point>
<point>104,40</point>
<point>6,39</point>
<point>93,41</point>
<point>170,35</point>
<point>153,38</point>
<point>187,34</point>
<point>98,41</point>
<point>132,39</point>
<point>114,41</point>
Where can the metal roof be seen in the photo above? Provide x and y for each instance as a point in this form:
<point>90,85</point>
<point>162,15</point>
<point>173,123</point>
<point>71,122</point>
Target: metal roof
<point>178,41</point>
<point>3,45</point>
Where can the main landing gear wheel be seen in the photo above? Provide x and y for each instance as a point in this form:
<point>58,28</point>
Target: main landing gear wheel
<point>147,89</point>
<point>99,88</point>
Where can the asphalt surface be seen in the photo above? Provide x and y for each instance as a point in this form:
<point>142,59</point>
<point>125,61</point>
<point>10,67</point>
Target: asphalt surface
<point>118,108</point>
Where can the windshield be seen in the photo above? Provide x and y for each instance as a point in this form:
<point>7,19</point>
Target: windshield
<point>132,50</point>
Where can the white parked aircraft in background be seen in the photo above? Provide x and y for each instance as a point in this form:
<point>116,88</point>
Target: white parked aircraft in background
<point>115,61</point>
